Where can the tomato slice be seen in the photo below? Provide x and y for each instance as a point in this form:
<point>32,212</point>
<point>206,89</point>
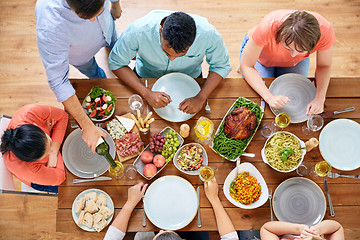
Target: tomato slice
<point>109,108</point>
<point>104,98</point>
<point>92,114</point>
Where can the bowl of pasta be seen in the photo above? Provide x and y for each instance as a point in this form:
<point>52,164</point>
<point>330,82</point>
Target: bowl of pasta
<point>283,151</point>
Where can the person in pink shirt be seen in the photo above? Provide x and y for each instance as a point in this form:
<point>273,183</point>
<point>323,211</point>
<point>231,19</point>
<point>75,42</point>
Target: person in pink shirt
<point>327,229</point>
<point>281,43</point>
<point>30,146</point>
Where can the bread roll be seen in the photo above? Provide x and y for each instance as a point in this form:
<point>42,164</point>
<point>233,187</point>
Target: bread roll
<point>91,207</point>
<point>91,196</point>
<point>79,204</point>
<point>106,212</point>
<point>101,200</point>
<point>86,219</point>
<point>100,225</point>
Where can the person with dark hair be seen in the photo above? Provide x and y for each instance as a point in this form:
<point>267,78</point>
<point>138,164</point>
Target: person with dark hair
<point>31,143</point>
<point>226,229</point>
<point>281,43</point>
<point>72,32</point>
<point>165,42</point>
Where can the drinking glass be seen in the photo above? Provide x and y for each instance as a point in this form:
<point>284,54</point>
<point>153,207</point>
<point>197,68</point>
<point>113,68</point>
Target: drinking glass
<point>282,120</point>
<point>130,171</point>
<point>313,124</point>
<point>135,103</point>
<point>117,172</point>
<point>206,173</point>
<point>203,131</point>
<point>304,169</point>
<point>322,169</point>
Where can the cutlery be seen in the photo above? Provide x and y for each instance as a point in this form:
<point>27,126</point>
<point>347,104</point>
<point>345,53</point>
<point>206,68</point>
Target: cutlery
<point>248,154</point>
<point>336,175</point>
<point>326,187</point>
<point>331,114</point>
<point>144,219</point>
<point>271,210</point>
<point>262,104</point>
<point>238,165</point>
<point>207,108</point>
<point>199,217</point>
<point>91,179</point>
<point>147,104</point>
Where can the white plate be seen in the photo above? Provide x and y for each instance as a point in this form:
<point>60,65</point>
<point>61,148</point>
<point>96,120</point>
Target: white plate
<point>79,159</point>
<point>195,172</point>
<point>170,203</point>
<point>246,167</point>
<point>178,86</point>
<point>300,90</point>
<point>109,204</point>
<point>299,200</point>
<point>339,144</point>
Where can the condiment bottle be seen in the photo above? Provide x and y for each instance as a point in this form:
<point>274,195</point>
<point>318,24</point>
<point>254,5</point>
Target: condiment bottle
<point>311,143</point>
<point>184,130</point>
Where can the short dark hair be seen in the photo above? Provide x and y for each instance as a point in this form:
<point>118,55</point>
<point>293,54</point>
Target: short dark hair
<point>300,28</point>
<point>179,30</point>
<point>27,142</point>
<point>86,8</point>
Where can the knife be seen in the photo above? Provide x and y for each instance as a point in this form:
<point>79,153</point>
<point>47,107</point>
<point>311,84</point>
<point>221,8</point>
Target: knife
<point>199,217</point>
<point>262,104</point>
<point>91,179</point>
<point>326,187</point>
<point>147,104</point>
<point>331,114</point>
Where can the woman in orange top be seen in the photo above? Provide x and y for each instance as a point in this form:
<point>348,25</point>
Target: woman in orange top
<point>31,144</point>
<point>282,43</point>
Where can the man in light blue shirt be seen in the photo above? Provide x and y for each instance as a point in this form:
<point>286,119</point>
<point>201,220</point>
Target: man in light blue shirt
<point>165,42</point>
<point>72,32</point>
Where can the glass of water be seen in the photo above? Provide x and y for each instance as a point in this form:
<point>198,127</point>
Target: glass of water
<point>135,103</point>
<point>313,124</point>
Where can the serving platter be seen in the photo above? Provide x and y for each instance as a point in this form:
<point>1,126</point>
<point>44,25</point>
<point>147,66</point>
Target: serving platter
<point>241,101</point>
<point>170,202</point>
<point>339,144</point>
<point>299,200</point>
<point>80,160</point>
<point>300,90</point>
<point>178,86</point>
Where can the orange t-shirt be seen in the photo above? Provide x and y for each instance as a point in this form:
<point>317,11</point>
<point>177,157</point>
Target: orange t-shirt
<point>37,172</point>
<point>276,55</point>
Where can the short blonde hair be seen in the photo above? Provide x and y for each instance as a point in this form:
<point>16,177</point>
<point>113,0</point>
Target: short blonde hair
<point>300,28</point>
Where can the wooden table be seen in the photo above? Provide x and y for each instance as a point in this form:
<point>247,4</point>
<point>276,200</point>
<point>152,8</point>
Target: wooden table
<point>345,193</point>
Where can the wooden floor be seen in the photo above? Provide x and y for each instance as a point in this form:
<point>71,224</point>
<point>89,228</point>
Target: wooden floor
<point>23,79</point>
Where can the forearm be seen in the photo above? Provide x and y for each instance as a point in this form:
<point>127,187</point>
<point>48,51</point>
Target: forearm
<point>212,81</point>
<point>55,147</point>
<point>253,78</point>
<point>122,219</point>
<point>73,106</point>
<point>322,78</point>
<point>332,229</point>
<point>223,220</point>
<point>272,230</point>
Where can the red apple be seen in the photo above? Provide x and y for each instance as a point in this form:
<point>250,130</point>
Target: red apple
<point>159,160</point>
<point>149,170</point>
<point>146,157</point>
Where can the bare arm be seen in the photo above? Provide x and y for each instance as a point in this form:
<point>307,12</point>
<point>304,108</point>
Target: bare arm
<point>90,132</point>
<point>115,10</point>
<point>331,229</point>
<point>322,78</point>
<point>249,57</point>
<point>272,230</point>
<point>223,220</point>
<point>155,99</point>
<point>194,104</point>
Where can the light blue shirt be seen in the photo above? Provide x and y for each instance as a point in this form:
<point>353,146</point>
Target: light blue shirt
<point>64,38</point>
<point>142,39</point>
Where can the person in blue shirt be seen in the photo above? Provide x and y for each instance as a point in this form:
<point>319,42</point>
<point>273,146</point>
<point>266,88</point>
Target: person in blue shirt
<point>165,42</point>
<point>72,32</point>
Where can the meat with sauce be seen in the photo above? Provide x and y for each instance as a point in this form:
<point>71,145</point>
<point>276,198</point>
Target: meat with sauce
<point>240,123</point>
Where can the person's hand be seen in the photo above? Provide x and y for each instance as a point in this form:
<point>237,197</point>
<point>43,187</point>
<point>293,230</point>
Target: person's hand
<point>115,10</point>
<point>211,190</point>
<point>316,106</point>
<point>91,135</point>
<point>191,105</point>
<point>50,124</point>
<point>52,160</point>
<point>158,99</point>
<point>308,232</point>
<point>278,101</point>
<point>135,193</point>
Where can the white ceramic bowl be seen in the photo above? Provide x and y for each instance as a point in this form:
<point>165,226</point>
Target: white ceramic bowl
<point>246,167</point>
<point>195,172</point>
<point>302,145</point>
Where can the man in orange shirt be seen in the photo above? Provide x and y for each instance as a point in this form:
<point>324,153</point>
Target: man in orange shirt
<point>282,43</point>
<point>31,144</point>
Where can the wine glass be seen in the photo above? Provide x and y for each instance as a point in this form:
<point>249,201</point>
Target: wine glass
<point>282,120</point>
<point>118,171</point>
<point>135,103</point>
<point>313,124</point>
<point>322,169</point>
<point>206,173</point>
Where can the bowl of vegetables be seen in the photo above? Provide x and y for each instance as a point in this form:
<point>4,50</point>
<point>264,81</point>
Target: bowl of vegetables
<point>99,104</point>
<point>189,158</point>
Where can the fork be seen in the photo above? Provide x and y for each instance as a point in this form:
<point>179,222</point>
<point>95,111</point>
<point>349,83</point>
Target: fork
<point>336,175</point>
<point>271,210</point>
<point>207,108</point>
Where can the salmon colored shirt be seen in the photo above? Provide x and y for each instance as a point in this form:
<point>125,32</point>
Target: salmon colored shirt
<point>37,172</point>
<point>276,55</point>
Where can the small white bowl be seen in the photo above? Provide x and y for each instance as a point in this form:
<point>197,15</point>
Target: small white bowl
<point>302,145</point>
<point>195,172</point>
<point>246,167</point>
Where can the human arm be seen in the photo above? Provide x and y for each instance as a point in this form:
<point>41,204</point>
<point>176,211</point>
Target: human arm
<point>322,78</point>
<point>115,9</point>
<point>248,59</point>
<point>223,220</point>
<point>332,230</point>
<point>272,230</point>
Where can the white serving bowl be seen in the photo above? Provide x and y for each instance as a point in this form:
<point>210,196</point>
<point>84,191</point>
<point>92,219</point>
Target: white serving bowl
<point>195,172</point>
